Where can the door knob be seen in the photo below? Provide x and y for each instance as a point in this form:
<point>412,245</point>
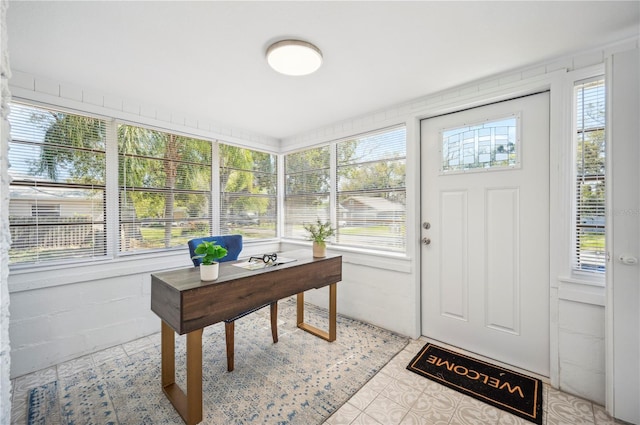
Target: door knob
<point>426,241</point>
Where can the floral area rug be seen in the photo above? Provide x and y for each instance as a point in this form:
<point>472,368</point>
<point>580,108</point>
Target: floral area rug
<point>300,380</point>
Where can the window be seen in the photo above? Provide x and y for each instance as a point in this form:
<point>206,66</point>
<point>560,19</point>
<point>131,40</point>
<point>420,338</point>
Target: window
<point>489,145</point>
<point>371,193</point>
<point>307,189</point>
<point>162,189</point>
<point>165,189</point>
<point>247,192</point>
<point>368,179</point>
<point>57,195</point>
<point>589,254</point>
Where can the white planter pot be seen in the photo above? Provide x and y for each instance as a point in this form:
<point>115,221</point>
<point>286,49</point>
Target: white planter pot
<point>209,272</point>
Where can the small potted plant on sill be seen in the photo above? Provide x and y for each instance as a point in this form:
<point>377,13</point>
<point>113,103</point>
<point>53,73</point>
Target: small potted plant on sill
<point>208,253</point>
<point>319,233</point>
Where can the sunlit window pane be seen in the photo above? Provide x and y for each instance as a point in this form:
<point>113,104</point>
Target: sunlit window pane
<point>57,193</point>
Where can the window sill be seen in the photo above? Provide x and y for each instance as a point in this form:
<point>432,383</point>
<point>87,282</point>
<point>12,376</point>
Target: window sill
<point>393,261</point>
<point>27,278</point>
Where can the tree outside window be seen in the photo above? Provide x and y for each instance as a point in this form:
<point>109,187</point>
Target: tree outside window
<point>57,194</point>
<point>165,189</point>
<point>247,192</point>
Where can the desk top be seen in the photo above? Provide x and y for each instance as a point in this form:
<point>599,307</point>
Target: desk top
<point>189,278</point>
<point>186,303</point>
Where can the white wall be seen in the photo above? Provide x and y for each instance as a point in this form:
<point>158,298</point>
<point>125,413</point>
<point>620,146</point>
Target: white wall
<point>5,346</point>
<point>373,289</point>
<point>383,290</point>
<point>60,314</point>
<point>581,351</point>
<point>577,306</point>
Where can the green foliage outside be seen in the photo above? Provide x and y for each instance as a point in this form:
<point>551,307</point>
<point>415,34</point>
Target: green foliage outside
<point>590,171</point>
<point>165,179</point>
<point>72,150</point>
<point>247,180</point>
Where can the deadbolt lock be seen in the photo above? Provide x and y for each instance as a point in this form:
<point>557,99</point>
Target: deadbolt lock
<point>426,225</point>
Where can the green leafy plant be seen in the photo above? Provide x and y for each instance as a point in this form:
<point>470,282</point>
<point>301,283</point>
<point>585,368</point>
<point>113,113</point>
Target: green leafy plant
<point>209,252</point>
<point>319,232</point>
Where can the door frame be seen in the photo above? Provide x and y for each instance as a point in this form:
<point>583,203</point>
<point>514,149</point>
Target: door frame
<point>620,82</point>
<point>529,178</point>
<point>559,178</point>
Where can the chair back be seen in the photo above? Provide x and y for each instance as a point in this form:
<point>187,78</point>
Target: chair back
<point>232,243</point>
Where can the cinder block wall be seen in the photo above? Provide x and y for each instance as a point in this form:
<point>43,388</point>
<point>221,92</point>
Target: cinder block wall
<point>5,347</point>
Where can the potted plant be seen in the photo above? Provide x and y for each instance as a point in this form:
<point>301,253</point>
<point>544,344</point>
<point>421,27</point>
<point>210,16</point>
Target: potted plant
<point>208,253</point>
<point>319,233</point>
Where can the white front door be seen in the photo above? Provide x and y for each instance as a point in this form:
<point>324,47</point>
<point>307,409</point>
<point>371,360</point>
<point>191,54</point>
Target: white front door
<point>485,197</point>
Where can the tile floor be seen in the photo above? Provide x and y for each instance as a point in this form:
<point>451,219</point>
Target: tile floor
<point>395,396</point>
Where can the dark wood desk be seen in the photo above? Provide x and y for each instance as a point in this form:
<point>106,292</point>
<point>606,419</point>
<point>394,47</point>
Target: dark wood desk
<point>187,305</point>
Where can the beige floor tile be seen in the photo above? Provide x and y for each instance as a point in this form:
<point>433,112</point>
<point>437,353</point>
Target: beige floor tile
<point>76,365</point>
<point>345,415</point>
<point>403,394</point>
<point>363,398</point>
<point>509,419</point>
<point>473,412</point>
<point>413,418</point>
<point>364,419</point>
<point>139,345</point>
<point>109,354</point>
<point>566,408</point>
<point>386,411</point>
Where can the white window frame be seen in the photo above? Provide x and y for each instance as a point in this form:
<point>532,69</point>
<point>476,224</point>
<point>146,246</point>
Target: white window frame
<point>114,259</point>
<point>71,262</point>
<point>218,191</point>
<point>117,236</point>
<point>333,191</point>
<point>597,279</point>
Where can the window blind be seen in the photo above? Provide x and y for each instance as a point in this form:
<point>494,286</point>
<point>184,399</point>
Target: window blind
<point>307,190</point>
<point>57,195</point>
<point>165,189</point>
<point>589,249</point>
<point>248,187</point>
<point>371,192</point>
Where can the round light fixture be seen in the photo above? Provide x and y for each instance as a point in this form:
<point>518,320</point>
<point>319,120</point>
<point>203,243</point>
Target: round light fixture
<point>294,57</point>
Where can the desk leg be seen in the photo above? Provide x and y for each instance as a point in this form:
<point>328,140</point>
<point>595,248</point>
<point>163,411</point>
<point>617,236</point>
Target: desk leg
<point>333,310</point>
<point>188,405</point>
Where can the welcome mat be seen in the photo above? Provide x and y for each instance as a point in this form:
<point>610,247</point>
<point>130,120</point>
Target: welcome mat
<point>505,389</point>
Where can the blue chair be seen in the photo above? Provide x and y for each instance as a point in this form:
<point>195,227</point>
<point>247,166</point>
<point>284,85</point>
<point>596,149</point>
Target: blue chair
<point>233,245</point>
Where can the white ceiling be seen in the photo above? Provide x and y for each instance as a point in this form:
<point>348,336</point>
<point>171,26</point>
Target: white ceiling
<point>206,59</point>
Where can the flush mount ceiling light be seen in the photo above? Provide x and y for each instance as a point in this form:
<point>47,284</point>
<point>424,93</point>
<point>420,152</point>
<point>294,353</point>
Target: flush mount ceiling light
<point>294,57</point>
